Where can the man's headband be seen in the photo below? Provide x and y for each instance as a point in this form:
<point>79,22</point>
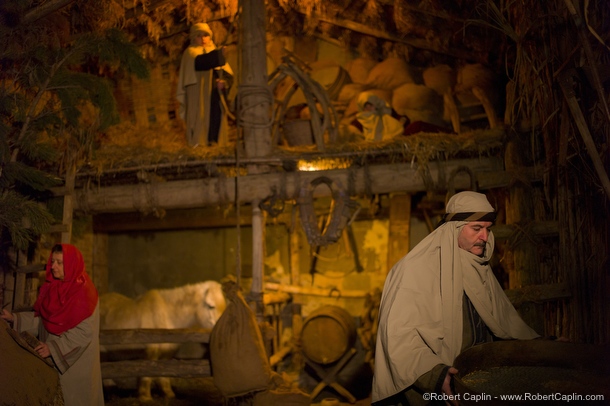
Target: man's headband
<point>468,216</point>
<point>472,216</point>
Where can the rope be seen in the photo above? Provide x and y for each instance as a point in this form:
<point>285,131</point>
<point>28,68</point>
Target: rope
<point>246,91</point>
<point>342,206</point>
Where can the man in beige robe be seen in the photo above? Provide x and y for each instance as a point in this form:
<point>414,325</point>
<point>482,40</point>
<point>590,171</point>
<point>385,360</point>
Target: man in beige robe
<point>199,90</point>
<point>438,300</point>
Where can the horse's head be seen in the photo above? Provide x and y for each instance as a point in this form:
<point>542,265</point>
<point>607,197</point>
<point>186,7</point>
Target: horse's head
<point>212,304</point>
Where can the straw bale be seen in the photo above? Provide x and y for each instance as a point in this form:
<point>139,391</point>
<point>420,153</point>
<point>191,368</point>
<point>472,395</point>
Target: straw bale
<point>349,91</point>
<point>389,74</point>
<point>488,83</point>
<point>360,68</point>
<point>411,96</point>
<point>441,78</point>
<point>475,74</point>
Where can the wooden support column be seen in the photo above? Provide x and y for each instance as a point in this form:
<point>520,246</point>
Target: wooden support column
<point>399,227</point>
<point>258,256</point>
<point>7,283</point>
<point>20,282</point>
<point>254,95</point>
<point>296,241</point>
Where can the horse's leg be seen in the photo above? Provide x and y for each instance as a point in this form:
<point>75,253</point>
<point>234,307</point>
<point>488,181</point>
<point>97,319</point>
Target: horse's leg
<point>144,386</point>
<point>166,387</point>
<point>166,351</point>
<point>145,382</point>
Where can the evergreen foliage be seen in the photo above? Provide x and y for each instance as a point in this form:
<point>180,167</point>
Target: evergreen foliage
<point>53,102</point>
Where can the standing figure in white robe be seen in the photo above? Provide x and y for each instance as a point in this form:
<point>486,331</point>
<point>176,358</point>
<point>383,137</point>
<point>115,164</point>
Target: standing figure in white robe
<point>201,82</point>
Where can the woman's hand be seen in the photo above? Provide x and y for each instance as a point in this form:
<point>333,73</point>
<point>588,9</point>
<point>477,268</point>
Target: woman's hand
<point>7,315</point>
<point>43,350</point>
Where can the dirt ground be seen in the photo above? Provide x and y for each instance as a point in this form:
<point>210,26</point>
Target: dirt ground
<point>189,392</point>
<point>193,391</point>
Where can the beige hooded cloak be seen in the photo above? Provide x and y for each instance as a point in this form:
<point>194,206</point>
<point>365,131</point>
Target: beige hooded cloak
<point>194,92</point>
<point>420,315</point>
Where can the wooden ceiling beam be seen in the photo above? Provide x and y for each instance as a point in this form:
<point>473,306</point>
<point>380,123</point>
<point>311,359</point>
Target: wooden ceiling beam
<point>361,181</point>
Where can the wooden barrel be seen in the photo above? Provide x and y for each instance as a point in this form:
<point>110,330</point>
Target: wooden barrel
<point>327,334</point>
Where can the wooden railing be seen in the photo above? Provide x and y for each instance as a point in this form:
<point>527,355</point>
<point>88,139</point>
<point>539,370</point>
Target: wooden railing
<point>167,368</point>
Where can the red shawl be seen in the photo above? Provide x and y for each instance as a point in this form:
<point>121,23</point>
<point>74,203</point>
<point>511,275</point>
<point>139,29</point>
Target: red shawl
<point>63,304</point>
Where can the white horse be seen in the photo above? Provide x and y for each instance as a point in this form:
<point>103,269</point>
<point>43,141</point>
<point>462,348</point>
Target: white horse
<point>196,305</point>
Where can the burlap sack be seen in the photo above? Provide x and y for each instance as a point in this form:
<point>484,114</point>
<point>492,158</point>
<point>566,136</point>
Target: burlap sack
<point>389,74</point>
<point>237,353</point>
<point>350,91</point>
<point>416,97</point>
<point>441,78</point>
<point>475,74</point>
<point>26,378</point>
<point>360,68</point>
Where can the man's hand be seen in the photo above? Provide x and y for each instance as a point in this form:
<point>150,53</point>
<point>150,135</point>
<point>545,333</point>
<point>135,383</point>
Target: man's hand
<point>446,388</point>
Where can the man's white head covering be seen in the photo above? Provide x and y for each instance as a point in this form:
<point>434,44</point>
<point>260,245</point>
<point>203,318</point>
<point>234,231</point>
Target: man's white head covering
<point>200,28</point>
<point>469,206</point>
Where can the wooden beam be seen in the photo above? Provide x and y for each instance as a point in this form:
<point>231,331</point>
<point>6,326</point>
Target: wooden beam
<point>491,180</point>
<point>170,368</point>
<point>377,179</point>
<point>538,293</point>
<point>178,219</point>
<point>537,228</point>
<point>32,268</point>
<point>303,290</point>
<point>414,42</point>
<point>154,335</point>
<point>44,10</point>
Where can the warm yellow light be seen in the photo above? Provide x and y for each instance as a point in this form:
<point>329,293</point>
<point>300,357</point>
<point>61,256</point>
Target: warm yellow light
<point>324,164</point>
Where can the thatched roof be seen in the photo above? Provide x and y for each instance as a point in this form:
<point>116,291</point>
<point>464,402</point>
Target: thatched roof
<point>375,27</point>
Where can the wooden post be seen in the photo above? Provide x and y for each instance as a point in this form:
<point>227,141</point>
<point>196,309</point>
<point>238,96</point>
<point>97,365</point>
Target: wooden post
<point>400,224</point>
<point>295,251</point>
<point>258,256</point>
<point>254,95</point>
<point>9,283</point>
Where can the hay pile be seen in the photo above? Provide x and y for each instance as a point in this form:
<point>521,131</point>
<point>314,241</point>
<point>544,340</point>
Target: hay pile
<point>127,148</point>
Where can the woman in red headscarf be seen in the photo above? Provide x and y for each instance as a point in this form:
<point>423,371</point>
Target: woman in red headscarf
<point>66,321</point>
